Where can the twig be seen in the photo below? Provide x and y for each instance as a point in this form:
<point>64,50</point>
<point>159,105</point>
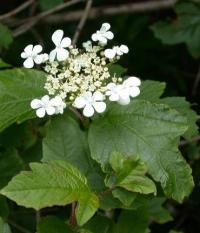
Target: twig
<point>82,22</point>
<point>16,10</point>
<point>30,22</point>
<point>73,215</point>
<point>77,113</point>
<point>96,12</point>
<point>186,142</point>
<point>18,227</point>
<point>196,83</point>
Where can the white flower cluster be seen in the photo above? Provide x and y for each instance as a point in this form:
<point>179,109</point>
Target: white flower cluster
<point>80,77</point>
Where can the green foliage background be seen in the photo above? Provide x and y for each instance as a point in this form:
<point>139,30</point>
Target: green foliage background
<point>143,153</point>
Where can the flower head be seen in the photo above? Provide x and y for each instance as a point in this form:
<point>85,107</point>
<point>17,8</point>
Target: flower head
<point>103,35</point>
<point>31,55</point>
<point>90,103</point>
<point>61,43</point>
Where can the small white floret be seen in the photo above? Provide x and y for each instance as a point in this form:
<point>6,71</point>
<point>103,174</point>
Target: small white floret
<point>103,35</point>
<point>60,53</point>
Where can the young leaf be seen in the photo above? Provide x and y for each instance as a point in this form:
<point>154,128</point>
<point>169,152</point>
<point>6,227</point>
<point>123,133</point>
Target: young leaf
<point>126,197</point>
<point>130,173</point>
<point>150,130</point>
<point>66,141</point>
<point>17,88</point>
<point>53,183</point>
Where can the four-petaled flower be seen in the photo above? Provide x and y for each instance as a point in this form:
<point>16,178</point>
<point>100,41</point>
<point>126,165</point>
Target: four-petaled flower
<point>103,35</point>
<point>48,106</point>
<point>90,102</point>
<point>31,54</point>
<point>59,53</point>
<point>116,50</point>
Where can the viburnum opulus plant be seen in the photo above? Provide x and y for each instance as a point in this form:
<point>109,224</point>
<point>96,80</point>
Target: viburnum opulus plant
<point>119,165</point>
<point>80,77</point>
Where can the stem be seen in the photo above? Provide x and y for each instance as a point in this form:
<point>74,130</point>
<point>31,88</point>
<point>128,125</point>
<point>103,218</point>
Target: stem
<point>72,219</point>
<point>106,192</point>
<point>18,227</point>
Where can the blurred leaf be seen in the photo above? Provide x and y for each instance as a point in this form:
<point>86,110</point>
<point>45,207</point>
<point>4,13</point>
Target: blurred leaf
<point>53,183</point>
<point>4,227</point>
<point>151,131</point>
<point>48,4</point>
<point>4,64</point>
<point>4,209</point>
<point>10,165</point>
<point>185,29</point>
<point>66,141</point>
<point>17,88</point>
<point>5,37</point>
<point>116,70</point>
<point>126,197</point>
<point>130,174</point>
<point>52,224</point>
<point>157,212</point>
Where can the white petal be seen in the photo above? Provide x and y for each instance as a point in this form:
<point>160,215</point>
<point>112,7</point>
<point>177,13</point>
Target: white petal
<point>109,35</point>
<point>36,103</point>
<point>88,110</point>
<point>37,49</point>
<point>50,110</point>
<point>62,54</point>
<point>45,57</point>
<point>23,55</point>
<point>38,59</point>
<point>40,112</point>
<point>99,107</point>
<point>57,101</point>
<point>111,86</point>
<point>80,102</point>
<point>124,101</point>
<point>124,48</point>
<point>132,81</point>
<point>98,96</point>
<point>109,53</point>
<point>114,97</point>
<point>66,42</point>
<point>28,50</point>
<point>102,40</point>
<point>57,37</point>
<point>134,91</point>
<point>45,99</point>
<point>28,63</point>
<point>52,55</point>
<point>105,27</point>
<point>94,37</point>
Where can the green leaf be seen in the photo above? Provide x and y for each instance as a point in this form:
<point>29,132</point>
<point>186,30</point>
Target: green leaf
<point>5,37</point>
<point>4,227</point>
<point>152,132</point>
<point>126,197</point>
<point>17,88</point>
<point>130,174</point>
<point>4,64</point>
<point>10,165</point>
<point>182,106</point>
<point>185,29</point>
<point>53,183</point>
<point>4,209</point>
<point>116,70</point>
<point>48,4</point>
<point>132,221</point>
<point>157,212</point>
<point>52,224</point>
<point>66,141</point>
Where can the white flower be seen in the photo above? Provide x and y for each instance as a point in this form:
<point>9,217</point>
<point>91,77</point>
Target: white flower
<point>116,50</point>
<point>90,102</point>
<point>131,85</point>
<point>103,34</point>
<point>87,46</point>
<point>48,106</point>
<point>117,93</point>
<point>31,54</point>
<point>61,43</point>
